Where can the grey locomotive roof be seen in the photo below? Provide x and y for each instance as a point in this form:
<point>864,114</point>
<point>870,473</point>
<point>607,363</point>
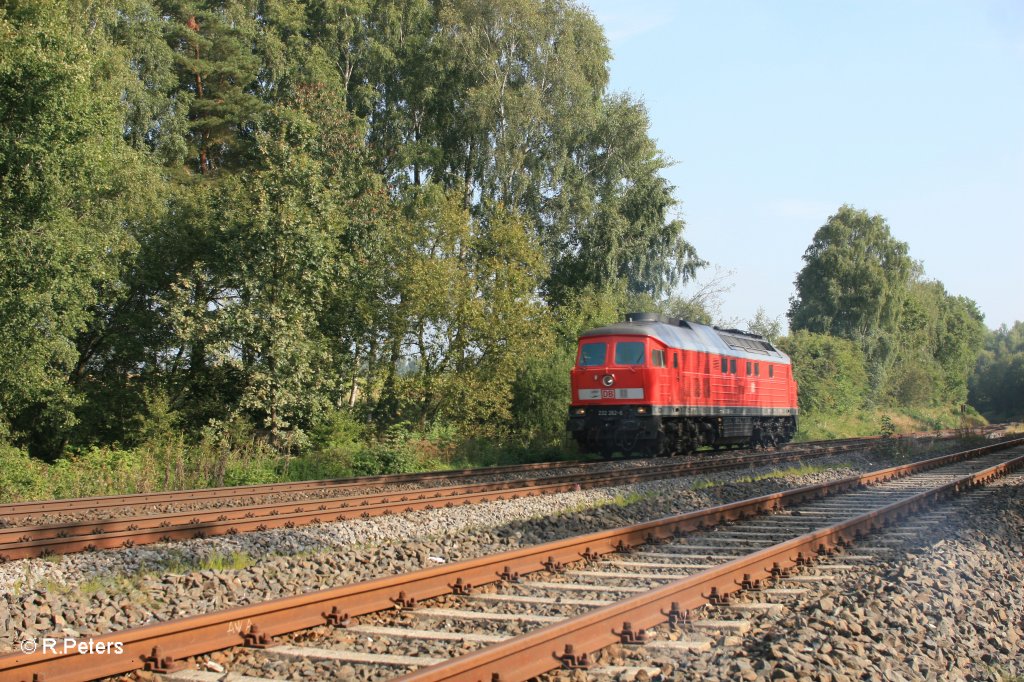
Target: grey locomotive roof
<point>687,335</point>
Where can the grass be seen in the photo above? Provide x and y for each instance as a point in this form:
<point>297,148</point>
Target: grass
<point>801,470</point>
<point>704,484</point>
<point>218,561</point>
<point>236,454</point>
<point>621,500</point>
<point>868,422</point>
<point>1000,674</point>
<point>1015,428</point>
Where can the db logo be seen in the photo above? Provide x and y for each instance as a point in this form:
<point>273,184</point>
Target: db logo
<point>607,392</point>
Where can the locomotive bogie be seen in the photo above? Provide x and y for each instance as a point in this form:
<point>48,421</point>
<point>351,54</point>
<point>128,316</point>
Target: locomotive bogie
<point>628,432</point>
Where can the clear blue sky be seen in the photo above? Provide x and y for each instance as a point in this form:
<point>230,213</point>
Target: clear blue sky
<point>777,112</point>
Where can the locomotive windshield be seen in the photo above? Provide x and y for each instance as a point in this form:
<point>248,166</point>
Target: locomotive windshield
<point>629,353</point>
<point>593,354</point>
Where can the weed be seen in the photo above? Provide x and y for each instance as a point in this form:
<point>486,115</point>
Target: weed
<point>233,561</point>
<point>620,500</point>
<point>704,484</point>
<point>802,470</point>
<point>177,563</point>
<point>1000,674</point>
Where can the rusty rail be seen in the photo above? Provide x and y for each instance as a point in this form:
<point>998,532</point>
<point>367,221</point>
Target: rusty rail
<point>22,542</point>
<point>23,509</point>
<point>156,646</point>
<point>537,652</point>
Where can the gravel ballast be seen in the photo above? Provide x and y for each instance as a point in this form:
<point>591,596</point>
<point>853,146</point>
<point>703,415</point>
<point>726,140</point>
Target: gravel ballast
<point>947,605</point>
<point>96,593</point>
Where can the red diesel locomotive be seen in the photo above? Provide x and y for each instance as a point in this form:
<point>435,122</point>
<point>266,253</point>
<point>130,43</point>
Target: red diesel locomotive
<point>656,385</point>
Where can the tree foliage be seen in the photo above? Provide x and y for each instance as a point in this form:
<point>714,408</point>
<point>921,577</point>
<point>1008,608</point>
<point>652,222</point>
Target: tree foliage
<point>858,283</point>
<point>71,197</point>
<point>269,212</point>
<point>253,216</point>
<point>768,327</point>
<point>854,280</point>
<point>997,385</point>
<point>831,372</point>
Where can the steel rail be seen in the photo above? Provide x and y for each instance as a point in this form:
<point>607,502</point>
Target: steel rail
<point>537,652</point>
<point>23,542</point>
<point>16,509</point>
<point>22,509</point>
<point>157,646</point>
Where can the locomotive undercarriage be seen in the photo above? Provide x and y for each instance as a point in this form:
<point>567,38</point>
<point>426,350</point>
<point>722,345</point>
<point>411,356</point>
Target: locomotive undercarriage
<point>629,432</point>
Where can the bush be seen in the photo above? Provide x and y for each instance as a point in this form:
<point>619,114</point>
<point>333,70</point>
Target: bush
<point>540,396</point>
<point>22,477</point>
<point>831,372</point>
<point>101,471</point>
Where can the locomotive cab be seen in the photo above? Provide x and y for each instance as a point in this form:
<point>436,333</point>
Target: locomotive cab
<point>614,381</point>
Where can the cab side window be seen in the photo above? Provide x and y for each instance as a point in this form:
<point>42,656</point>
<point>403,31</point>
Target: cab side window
<point>658,358</point>
<point>675,360</point>
<point>732,366</point>
<point>748,368</point>
<point>725,365</point>
<point>771,371</point>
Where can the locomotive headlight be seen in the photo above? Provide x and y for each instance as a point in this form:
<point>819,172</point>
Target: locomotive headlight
<point>607,380</point>
<point>580,411</point>
<point>641,410</point>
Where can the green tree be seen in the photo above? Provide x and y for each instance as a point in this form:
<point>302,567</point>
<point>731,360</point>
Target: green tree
<point>267,214</point>
<point>467,312</point>
<point>938,340</point>
<point>854,278</point>
<point>831,372</point>
<point>156,116</point>
<point>218,73</point>
<point>853,284</point>
<point>285,250</point>
<point>70,190</point>
<point>768,327</point>
<point>997,383</point>
<point>613,219</point>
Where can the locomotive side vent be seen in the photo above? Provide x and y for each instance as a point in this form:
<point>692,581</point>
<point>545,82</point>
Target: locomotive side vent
<point>754,345</point>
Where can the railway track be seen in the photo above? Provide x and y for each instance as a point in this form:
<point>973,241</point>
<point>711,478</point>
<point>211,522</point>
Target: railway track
<point>21,541</point>
<point>120,503</point>
<point>572,597</point>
